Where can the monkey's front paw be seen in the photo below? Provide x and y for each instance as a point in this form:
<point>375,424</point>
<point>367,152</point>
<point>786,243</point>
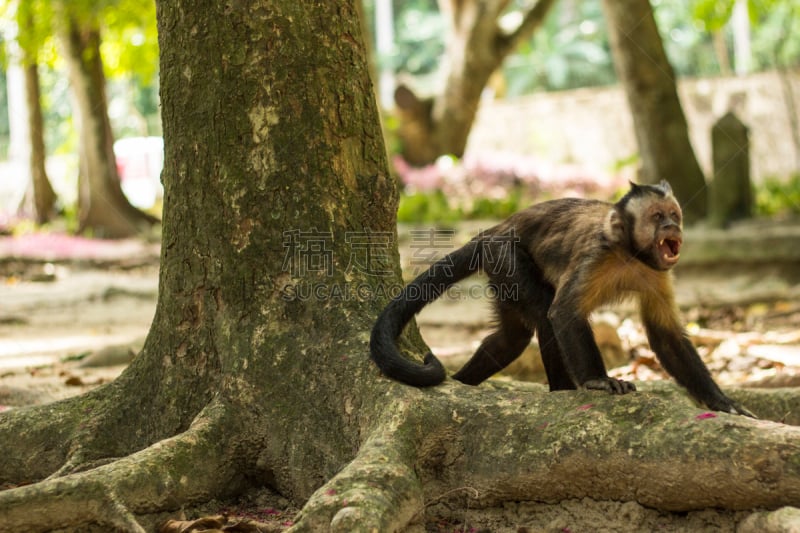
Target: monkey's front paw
<point>610,385</point>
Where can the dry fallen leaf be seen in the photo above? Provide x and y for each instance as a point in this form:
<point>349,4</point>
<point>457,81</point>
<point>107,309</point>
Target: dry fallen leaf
<point>74,381</point>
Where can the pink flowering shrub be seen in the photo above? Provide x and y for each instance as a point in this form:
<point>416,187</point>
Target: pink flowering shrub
<point>494,185</point>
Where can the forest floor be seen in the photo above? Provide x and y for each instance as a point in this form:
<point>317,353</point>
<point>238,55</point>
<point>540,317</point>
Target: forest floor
<point>73,312</point>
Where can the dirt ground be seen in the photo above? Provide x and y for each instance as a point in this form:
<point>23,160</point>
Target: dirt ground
<point>71,324</point>
<point>66,327</point>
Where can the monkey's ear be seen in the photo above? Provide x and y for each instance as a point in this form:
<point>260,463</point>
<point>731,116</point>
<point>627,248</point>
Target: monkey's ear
<point>664,184</point>
<point>614,227</point>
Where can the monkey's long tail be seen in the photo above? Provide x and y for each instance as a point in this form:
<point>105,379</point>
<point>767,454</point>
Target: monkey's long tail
<point>426,288</point>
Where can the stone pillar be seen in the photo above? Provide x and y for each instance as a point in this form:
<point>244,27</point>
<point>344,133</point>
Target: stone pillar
<point>731,189</point>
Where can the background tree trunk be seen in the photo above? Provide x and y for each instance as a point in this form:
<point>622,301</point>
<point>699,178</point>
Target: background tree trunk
<point>278,252</point>
<point>103,207</point>
<point>475,47</point>
<point>39,198</point>
<point>43,195</point>
<point>649,82</point>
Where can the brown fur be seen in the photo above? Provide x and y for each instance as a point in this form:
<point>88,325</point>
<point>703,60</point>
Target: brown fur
<point>614,278</point>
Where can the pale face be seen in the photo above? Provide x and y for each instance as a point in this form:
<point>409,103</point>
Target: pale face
<point>657,233</point>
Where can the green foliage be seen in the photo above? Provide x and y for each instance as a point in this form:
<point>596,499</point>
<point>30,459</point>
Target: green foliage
<point>34,20</point>
<point>497,207</point>
<point>570,50</point>
<point>418,38</point>
<point>713,13</point>
<point>130,43</point>
<point>775,24</point>
<point>688,45</point>
<point>130,59</point>
<point>778,42</point>
<point>59,134</point>
<point>779,196</point>
<point>633,160</point>
<point>436,207</point>
<point>71,218</point>
<point>427,207</point>
<point>391,137</point>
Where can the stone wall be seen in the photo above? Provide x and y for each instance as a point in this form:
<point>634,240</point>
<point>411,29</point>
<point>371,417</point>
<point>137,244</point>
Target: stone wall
<point>593,127</point>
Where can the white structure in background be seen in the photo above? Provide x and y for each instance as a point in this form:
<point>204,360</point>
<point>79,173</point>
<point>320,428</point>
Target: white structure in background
<point>740,26</point>
<point>139,162</point>
<point>16,171</point>
<point>384,47</point>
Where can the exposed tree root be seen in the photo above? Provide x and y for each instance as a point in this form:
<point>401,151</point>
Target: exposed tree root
<point>778,405</point>
<point>657,449</point>
<point>45,429</point>
<point>464,446</point>
<point>188,468</point>
<point>93,429</point>
<point>522,444</point>
<point>377,491</point>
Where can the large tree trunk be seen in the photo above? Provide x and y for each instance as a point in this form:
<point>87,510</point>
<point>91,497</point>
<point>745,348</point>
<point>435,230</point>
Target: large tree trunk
<point>103,208</point>
<point>278,251</point>
<point>649,81</point>
<point>272,148</point>
<point>475,47</point>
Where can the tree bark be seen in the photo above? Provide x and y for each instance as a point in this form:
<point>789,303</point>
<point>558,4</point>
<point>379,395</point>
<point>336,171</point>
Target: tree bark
<point>278,253</point>
<point>475,47</point>
<point>649,81</point>
<point>103,208</point>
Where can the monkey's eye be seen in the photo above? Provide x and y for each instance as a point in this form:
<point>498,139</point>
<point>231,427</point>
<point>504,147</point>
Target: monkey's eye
<point>658,216</point>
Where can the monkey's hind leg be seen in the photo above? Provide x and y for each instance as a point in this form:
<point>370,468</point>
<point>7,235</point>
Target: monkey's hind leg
<point>532,302</point>
<point>497,350</point>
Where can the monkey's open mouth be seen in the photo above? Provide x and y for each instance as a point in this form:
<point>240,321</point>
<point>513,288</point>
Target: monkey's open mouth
<point>669,250</point>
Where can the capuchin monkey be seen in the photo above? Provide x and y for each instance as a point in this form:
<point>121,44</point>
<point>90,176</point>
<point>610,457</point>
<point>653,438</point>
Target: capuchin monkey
<point>550,266</point>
